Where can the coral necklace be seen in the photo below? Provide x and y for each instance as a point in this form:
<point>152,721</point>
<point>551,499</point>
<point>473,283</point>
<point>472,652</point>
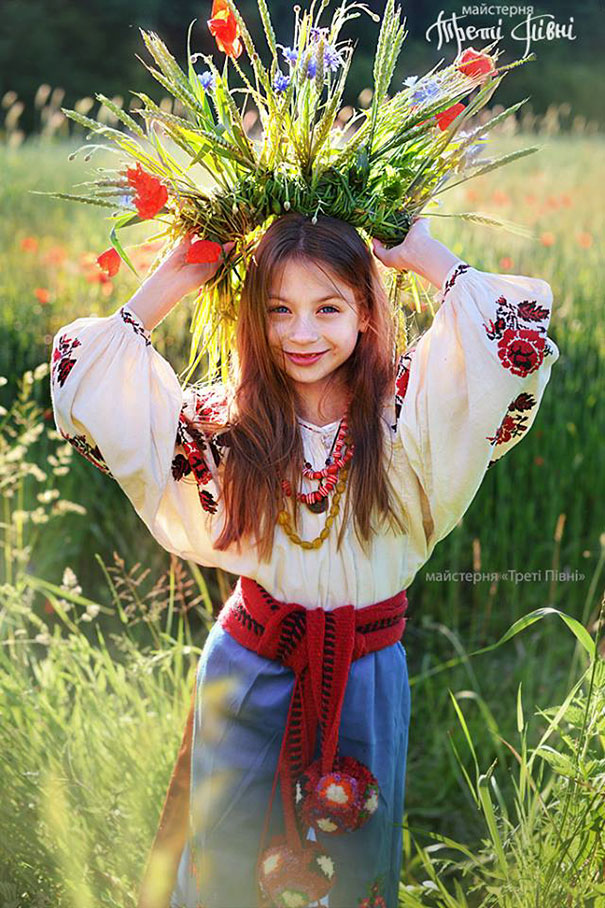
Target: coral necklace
<point>317,501</point>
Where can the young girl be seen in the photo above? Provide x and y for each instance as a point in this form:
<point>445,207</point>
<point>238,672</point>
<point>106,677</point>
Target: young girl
<point>249,479</point>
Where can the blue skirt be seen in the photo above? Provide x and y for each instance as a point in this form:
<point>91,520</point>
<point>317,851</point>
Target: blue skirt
<point>242,702</point>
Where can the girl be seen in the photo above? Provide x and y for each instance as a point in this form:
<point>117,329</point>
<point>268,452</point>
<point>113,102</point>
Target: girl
<point>248,478</point>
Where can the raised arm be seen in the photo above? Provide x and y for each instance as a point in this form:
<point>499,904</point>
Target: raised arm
<point>469,389</point>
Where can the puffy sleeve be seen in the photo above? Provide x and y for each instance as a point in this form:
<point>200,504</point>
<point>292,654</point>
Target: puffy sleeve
<point>121,406</point>
<point>469,390</point>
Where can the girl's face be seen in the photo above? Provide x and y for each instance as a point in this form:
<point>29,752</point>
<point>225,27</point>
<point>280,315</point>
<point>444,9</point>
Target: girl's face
<point>309,313</point>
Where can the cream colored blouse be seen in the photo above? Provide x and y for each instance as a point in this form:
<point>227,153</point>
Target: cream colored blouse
<point>467,391</point>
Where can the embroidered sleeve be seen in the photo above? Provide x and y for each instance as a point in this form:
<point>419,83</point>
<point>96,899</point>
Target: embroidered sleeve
<point>121,405</point>
<point>470,388</point>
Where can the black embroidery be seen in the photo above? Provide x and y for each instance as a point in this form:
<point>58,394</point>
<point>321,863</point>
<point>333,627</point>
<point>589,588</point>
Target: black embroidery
<point>135,324</point>
<point>460,269</point>
<point>90,452</point>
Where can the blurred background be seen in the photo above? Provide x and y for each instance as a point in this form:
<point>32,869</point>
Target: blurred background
<point>100,629</point>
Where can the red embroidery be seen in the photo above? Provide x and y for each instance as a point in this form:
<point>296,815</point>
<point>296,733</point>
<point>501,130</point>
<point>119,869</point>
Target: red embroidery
<point>195,444</point>
<point>460,269</point>
<point>90,452</point>
<point>135,324</point>
<point>521,349</point>
<point>375,899</point>
<point>63,362</point>
<point>402,380</point>
<point>513,426</point>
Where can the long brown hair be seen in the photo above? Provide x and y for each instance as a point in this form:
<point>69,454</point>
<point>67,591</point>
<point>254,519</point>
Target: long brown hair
<point>263,434</point>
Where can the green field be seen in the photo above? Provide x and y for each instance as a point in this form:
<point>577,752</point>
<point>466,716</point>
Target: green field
<point>101,629</point>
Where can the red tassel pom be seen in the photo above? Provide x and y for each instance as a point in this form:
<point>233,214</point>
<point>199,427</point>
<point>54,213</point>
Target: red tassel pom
<point>341,801</point>
<point>296,879</point>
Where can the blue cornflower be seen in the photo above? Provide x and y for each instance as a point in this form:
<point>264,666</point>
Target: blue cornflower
<point>311,68</point>
<point>207,80</point>
<point>289,54</point>
<point>281,82</point>
<point>410,81</point>
<point>316,33</point>
<point>332,59</point>
<point>424,93</point>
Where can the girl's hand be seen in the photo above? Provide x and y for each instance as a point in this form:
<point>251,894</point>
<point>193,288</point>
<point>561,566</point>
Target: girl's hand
<point>177,277</point>
<point>419,252</point>
<point>408,254</point>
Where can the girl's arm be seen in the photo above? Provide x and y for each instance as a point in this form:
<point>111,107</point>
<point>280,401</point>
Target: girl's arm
<point>169,283</point>
<point>469,389</point>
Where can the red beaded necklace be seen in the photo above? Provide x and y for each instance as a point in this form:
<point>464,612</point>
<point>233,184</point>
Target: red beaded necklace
<point>317,501</point>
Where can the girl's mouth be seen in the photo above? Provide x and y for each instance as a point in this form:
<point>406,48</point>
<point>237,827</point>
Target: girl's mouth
<point>304,359</point>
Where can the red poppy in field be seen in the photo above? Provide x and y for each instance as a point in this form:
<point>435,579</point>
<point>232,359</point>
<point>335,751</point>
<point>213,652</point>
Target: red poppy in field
<point>223,26</point>
<point>109,261</point>
<point>203,251</point>
<point>547,239</point>
<point>447,116</point>
<point>500,198</point>
<point>56,255</point>
<point>151,195</point>
<point>506,264</point>
<point>29,244</point>
<point>42,295</point>
<point>585,240</point>
<point>475,63</point>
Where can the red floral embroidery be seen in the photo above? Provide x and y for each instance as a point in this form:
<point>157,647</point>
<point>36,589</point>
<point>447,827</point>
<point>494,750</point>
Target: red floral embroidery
<point>513,426</point>
<point>195,444</point>
<point>375,899</point>
<point>90,452</point>
<point>521,349</point>
<point>402,379</point>
<point>63,362</point>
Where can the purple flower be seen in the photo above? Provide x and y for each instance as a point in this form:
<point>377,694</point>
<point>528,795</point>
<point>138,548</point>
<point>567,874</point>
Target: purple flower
<point>424,93</point>
<point>289,54</point>
<point>332,59</point>
<point>311,68</point>
<point>317,33</point>
<point>281,82</point>
<point>207,80</point>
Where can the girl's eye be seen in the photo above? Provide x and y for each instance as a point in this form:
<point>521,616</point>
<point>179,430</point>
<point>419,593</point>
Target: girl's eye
<point>275,308</point>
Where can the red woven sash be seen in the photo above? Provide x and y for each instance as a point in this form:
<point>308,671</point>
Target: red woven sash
<point>318,646</point>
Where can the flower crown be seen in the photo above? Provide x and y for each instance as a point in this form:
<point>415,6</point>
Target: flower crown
<point>220,181</point>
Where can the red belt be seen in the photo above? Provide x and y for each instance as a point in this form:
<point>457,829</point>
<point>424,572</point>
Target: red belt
<point>318,646</point>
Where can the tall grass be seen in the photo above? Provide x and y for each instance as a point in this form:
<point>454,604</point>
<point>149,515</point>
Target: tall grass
<point>98,653</point>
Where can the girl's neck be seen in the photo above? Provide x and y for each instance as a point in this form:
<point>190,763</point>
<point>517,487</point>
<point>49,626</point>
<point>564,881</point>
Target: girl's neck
<point>333,408</point>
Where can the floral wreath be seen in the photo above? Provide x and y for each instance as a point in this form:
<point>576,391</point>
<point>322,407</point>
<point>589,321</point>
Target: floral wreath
<point>221,181</point>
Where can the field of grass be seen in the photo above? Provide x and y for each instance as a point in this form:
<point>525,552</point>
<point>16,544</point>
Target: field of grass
<point>101,629</point>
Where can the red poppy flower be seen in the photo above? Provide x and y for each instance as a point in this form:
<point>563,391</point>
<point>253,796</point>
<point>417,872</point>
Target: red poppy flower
<point>29,244</point>
<point>447,116</point>
<point>151,195</point>
<point>223,26</point>
<point>475,63</point>
<point>109,261</point>
<point>42,295</point>
<point>203,251</point>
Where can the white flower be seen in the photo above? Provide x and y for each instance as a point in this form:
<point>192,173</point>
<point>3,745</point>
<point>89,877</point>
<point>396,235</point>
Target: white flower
<point>299,794</point>
<point>271,863</point>
<point>294,899</point>
<point>327,865</point>
<point>372,802</point>
<point>336,793</point>
<point>326,825</point>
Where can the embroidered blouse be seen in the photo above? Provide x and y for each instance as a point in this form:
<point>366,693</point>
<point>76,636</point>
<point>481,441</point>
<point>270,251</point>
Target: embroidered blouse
<point>466,392</point>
